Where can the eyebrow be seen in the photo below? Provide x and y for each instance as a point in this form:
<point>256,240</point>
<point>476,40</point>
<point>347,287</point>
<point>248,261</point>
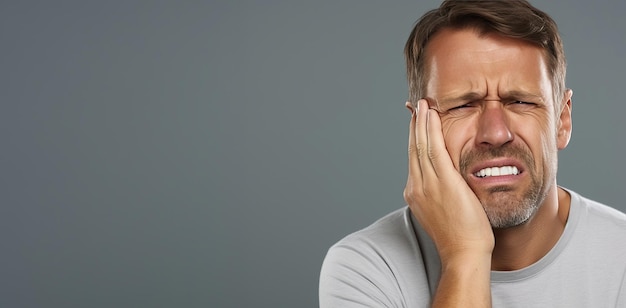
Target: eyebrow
<point>521,95</point>
<point>465,97</point>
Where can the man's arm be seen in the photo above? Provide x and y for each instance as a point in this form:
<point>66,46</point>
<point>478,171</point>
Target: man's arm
<point>450,213</point>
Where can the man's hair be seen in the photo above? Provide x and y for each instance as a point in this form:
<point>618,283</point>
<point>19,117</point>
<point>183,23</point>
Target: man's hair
<point>516,19</point>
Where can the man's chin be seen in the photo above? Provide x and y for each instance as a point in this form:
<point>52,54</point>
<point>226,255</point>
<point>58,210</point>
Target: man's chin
<point>506,210</point>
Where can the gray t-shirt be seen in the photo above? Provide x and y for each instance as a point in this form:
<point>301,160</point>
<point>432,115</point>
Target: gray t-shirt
<point>393,263</point>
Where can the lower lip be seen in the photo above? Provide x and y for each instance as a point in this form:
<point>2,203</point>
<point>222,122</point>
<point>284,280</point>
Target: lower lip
<point>498,180</point>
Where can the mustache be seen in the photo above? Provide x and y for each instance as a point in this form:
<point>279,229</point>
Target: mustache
<point>509,150</point>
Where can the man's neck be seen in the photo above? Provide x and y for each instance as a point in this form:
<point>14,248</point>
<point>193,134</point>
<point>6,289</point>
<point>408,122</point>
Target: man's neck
<point>521,246</point>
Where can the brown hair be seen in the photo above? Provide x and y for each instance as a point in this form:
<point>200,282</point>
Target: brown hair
<point>514,19</point>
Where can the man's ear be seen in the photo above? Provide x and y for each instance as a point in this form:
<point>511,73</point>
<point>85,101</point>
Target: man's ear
<point>564,128</point>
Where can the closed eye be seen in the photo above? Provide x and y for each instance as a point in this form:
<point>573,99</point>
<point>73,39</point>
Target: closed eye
<point>523,103</point>
<point>462,106</point>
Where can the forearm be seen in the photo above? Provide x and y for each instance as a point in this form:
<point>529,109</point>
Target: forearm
<point>465,283</point>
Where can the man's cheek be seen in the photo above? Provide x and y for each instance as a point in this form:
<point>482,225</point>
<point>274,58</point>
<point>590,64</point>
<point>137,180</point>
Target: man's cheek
<point>453,146</point>
<point>455,156</point>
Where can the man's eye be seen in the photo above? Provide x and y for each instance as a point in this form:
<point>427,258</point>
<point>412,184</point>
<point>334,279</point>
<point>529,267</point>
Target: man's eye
<point>461,106</point>
<point>522,103</point>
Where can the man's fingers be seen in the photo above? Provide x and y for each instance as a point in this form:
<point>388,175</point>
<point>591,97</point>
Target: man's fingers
<point>414,168</point>
<point>423,150</point>
<point>437,152</point>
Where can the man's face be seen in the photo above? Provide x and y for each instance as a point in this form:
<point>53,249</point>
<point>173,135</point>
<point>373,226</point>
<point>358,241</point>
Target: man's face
<point>494,95</point>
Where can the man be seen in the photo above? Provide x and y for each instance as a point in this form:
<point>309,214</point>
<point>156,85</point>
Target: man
<point>486,222</point>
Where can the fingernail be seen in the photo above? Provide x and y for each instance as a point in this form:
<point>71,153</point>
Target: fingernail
<point>409,106</point>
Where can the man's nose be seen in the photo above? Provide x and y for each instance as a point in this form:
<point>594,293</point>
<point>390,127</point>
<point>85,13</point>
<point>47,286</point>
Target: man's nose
<point>493,125</point>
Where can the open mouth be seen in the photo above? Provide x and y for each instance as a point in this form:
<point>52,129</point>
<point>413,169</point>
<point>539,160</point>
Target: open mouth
<point>497,171</point>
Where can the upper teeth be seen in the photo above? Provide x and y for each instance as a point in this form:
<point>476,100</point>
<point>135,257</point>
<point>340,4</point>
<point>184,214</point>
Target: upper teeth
<point>497,171</point>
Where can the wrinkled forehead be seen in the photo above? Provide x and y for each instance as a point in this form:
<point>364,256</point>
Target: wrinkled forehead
<point>464,61</point>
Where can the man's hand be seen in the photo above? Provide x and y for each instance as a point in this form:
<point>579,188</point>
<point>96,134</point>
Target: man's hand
<point>450,212</point>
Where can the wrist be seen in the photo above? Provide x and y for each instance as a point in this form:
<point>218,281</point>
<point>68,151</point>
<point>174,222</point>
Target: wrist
<point>467,262</point>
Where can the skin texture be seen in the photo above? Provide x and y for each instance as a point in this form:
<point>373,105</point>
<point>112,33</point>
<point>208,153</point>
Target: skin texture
<point>489,104</point>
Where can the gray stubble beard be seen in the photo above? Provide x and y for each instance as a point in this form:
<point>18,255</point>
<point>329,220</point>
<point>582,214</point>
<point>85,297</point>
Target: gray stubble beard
<point>508,212</point>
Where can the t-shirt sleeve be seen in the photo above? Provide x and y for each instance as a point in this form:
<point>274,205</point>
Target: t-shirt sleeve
<point>621,297</point>
<point>354,276</point>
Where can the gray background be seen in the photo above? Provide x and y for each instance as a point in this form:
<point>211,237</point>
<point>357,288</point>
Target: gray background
<point>206,154</point>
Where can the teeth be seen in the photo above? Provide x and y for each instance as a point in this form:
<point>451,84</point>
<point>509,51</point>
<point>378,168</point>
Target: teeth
<point>497,171</point>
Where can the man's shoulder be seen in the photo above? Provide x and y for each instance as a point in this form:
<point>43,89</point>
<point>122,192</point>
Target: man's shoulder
<point>600,214</point>
<point>393,229</point>
<point>393,244</point>
<point>598,229</point>
<point>377,266</point>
